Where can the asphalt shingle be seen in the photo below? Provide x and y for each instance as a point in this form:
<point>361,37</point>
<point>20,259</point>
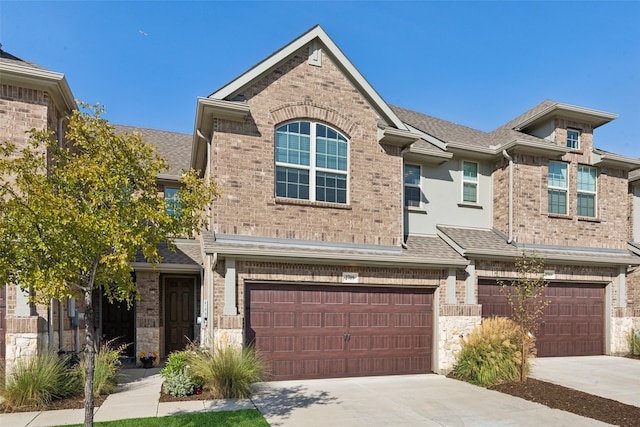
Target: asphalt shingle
<point>174,146</point>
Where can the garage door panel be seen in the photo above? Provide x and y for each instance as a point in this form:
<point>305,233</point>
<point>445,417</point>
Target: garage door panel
<point>350,331</point>
<point>573,322</point>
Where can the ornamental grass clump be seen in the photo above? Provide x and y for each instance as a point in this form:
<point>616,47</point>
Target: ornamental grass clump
<point>38,381</point>
<point>491,353</point>
<point>106,365</point>
<point>229,373</point>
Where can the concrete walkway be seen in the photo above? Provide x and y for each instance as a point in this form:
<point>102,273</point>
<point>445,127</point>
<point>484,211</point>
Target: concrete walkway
<point>616,378</point>
<point>137,396</point>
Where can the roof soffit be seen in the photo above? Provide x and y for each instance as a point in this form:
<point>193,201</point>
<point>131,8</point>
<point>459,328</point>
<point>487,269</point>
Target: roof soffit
<point>40,79</point>
<point>565,111</point>
<point>328,47</point>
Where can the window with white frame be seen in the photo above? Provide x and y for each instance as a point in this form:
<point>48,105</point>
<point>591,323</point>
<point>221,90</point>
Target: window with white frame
<point>311,162</point>
<point>587,177</point>
<point>573,139</point>
<point>470,182</point>
<point>171,197</point>
<point>557,188</point>
<point>412,191</point>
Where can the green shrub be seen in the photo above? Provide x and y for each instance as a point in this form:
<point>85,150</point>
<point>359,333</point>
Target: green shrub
<point>491,353</point>
<point>176,362</point>
<point>178,384</point>
<point>38,381</point>
<point>229,372</point>
<point>635,342</point>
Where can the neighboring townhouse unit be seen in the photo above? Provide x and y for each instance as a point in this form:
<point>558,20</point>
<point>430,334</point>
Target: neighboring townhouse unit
<point>30,97</point>
<point>358,238</point>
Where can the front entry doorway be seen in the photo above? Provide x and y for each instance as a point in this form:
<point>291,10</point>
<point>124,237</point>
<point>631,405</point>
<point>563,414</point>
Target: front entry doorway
<point>179,312</point>
<point>118,325</point>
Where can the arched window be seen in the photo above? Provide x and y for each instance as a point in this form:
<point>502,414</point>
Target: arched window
<point>311,162</point>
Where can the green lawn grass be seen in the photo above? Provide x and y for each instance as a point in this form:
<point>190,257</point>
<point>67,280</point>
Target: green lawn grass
<point>241,418</point>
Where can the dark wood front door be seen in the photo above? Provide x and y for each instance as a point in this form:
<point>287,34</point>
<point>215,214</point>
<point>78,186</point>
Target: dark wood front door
<point>179,324</point>
<point>118,324</point>
<point>3,322</point>
<point>573,323</point>
<point>330,331</point>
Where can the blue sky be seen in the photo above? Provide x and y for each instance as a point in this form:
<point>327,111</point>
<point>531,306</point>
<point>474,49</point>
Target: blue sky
<point>477,63</point>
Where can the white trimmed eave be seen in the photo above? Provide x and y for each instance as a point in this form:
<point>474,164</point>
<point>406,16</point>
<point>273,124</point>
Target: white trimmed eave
<point>594,117</point>
<point>470,150</point>
<point>533,148</point>
<point>235,87</point>
<point>208,109</point>
<point>612,160</point>
<point>55,84</point>
<point>337,258</point>
<point>166,268</point>
<point>427,156</point>
<point>397,137</point>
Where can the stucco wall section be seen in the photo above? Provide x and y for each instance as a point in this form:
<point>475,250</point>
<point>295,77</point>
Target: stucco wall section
<point>243,161</point>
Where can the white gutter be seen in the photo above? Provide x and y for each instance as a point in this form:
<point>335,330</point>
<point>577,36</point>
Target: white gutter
<point>508,157</point>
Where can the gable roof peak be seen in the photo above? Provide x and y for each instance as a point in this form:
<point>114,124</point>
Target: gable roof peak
<point>315,34</point>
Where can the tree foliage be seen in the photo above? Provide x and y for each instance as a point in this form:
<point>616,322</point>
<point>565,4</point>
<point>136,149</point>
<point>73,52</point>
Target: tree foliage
<point>73,218</point>
<point>526,298</point>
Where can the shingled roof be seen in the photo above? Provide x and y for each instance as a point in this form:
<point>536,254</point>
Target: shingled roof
<point>420,251</point>
<point>175,147</point>
<point>452,133</point>
<point>12,59</point>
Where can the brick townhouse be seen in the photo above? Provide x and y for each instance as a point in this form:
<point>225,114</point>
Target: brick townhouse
<point>354,237</point>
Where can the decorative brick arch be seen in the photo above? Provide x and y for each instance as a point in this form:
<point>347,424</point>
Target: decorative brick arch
<point>310,110</point>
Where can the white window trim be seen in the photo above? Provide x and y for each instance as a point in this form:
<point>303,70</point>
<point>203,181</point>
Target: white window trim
<point>312,162</point>
<point>594,193</point>
<point>464,181</point>
<point>579,132</point>
<point>419,187</point>
<point>565,189</point>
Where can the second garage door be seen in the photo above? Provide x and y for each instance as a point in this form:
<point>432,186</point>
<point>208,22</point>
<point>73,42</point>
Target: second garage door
<point>329,331</point>
<point>573,323</point>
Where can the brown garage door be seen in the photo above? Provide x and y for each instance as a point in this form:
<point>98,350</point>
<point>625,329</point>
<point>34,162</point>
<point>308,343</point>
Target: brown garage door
<point>573,324</point>
<point>329,331</point>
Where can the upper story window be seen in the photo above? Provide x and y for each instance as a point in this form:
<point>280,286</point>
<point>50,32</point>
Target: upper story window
<point>557,188</point>
<point>470,182</point>
<point>587,191</point>
<point>412,191</point>
<point>573,139</point>
<point>171,196</point>
<point>311,162</point>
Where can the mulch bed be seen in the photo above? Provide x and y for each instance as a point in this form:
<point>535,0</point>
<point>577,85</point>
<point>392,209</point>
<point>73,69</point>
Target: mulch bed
<point>577,402</point>
<point>69,403</point>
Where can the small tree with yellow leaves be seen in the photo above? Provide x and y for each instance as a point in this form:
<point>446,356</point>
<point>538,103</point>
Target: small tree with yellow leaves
<point>526,298</point>
<point>73,219</point>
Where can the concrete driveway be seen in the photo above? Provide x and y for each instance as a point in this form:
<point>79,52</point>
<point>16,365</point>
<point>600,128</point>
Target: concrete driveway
<point>616,378</point>
<point>413,400</point>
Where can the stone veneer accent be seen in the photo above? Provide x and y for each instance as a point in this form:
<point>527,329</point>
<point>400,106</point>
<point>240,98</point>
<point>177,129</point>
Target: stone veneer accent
<point>297,90</point>
<point>149,326</point>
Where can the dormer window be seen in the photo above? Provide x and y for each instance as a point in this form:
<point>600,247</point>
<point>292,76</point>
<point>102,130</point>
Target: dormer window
<point>311,162</point>
<point>573,139</point>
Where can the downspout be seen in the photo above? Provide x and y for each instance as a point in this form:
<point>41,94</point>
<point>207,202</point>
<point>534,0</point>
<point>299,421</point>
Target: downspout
<point>508,157</point>
<point>212,260</point>
<point>402,213</point>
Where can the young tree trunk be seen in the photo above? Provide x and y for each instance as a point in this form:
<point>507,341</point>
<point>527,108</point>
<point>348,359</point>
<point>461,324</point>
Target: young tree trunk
<point>89,357</point>
<point>523,358</point>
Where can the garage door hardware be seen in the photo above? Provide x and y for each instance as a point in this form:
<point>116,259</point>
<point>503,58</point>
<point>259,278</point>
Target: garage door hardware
<point>347,337</point>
